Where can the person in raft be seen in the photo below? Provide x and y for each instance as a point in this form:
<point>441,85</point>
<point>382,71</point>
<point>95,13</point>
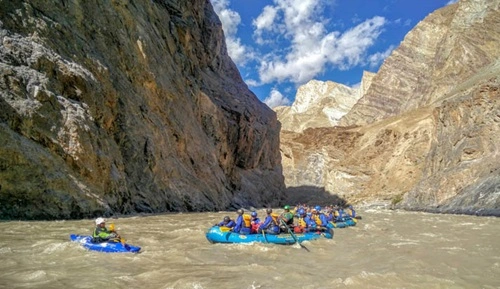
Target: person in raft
<point>270,225</point>
<point>101,233</point>
<point>243,225</point>
<point>255,222</point>
<point>226,223</point>
<point>287,218</point>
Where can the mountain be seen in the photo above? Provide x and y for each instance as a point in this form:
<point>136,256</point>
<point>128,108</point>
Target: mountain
<point>424,134</point>
<point>321,104</point>
<point>117,107</point>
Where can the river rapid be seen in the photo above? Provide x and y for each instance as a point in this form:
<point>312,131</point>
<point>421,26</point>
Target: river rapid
<point>387,249</point>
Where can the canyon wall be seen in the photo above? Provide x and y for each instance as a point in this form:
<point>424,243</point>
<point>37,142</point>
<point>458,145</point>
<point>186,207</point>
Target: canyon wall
<point>119,107</point>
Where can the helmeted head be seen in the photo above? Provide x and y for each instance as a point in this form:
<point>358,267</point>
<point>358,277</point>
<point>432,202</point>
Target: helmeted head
<point>301,212</point>
<point>287,208</point>
<point>226,219</point>
<point>317,208</point>
<point>240,211</point>
<point>350,207</point>
<point>269,210</point>
<point>99,221</point>
<point>254,214</point>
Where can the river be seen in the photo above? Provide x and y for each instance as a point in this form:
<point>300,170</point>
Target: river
<point>387,249</point>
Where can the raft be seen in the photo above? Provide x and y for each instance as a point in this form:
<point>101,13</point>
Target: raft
<point>215,235</point>
<point>108,247</point>
<point>346,222</point>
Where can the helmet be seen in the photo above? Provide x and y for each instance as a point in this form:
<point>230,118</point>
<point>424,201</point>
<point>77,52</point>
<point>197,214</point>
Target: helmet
<point>99,221</point>
<point>350,207</point>
<point>318,208</point>
<point>301,212</point>
<point>269,211</point>
<point>254,214</point>
<point>240,211</point>
<point>287,207</point>
<point>226,219</point>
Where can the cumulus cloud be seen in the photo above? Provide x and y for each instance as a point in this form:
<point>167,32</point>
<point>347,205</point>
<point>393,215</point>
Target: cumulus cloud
<point>230,19</point>
<point>275,99</point>
<point>377,58</point>
<point>312,47</point>
<point>264,22</point>
<point>452,2</point>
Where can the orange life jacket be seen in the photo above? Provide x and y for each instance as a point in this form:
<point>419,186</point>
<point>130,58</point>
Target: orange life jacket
<point>247,221</point>
<point>275,218</point>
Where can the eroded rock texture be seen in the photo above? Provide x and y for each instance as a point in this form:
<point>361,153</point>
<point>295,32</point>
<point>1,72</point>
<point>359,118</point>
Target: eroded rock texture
<point>127,106</point>
<point>425,134</point>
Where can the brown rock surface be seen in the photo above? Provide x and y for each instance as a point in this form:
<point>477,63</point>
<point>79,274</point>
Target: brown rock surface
<point>119,107</point>
<point>425,135</point>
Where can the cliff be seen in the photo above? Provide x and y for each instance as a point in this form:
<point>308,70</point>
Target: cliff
<point>424,134</point>
<point>119,107</point>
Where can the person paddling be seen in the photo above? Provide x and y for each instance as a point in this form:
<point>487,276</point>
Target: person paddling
<point>101,233</point>
<point>226,223</point>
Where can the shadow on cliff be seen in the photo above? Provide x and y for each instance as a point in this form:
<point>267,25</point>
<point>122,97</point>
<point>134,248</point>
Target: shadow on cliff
<point>312,195</point>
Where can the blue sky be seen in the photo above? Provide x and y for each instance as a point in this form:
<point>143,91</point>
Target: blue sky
<point>279,45</point>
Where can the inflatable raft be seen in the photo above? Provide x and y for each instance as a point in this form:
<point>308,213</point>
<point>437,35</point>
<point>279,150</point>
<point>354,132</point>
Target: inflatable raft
<point>108,247</point>
<point>216,235</point>
<point>345,222</point>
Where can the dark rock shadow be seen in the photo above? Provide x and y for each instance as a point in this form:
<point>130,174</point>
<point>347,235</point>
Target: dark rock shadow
<point>311,195</point>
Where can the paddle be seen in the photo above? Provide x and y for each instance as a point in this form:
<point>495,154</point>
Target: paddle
<point>293,235</point>
<point>112,229</point>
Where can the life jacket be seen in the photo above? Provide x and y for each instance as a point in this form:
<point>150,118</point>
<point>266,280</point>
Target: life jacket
<point>302,223</point>
<point>247,221</point>
<point>317,219</point>
<point>275,218</point>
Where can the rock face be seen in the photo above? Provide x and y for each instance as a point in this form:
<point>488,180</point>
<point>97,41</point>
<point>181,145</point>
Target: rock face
<point>425,134</point>
<point>320,104</point>
<point>116,107</point>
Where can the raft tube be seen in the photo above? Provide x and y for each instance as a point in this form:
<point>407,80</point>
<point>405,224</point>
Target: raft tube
<point>215,235</point>
<point>346,222</point>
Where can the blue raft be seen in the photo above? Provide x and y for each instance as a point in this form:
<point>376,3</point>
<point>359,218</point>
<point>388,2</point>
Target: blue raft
<point>345,222</point>
<point>215,235</point>
<point>108,247</point>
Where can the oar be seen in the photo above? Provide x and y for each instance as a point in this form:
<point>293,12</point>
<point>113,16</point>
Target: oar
<point>293,235</point>
<point>112,229</point>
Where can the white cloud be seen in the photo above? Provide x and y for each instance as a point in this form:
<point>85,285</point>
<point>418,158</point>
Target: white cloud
<point>264,22</point>
<point>275,99</point>
<point>377,58</point>
<point>230,19</point>
<point>452,2</point>
<point>312,48</point>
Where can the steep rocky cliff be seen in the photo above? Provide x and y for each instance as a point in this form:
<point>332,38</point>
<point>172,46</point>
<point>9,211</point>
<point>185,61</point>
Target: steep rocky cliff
<point>116,107</point>
<point>425,134</point>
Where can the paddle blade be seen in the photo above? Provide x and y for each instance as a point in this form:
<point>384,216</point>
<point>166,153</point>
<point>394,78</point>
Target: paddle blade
<point>224,229</point>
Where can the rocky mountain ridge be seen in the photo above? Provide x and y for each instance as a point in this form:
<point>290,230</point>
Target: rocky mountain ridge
<point>424,134</point>
<point>321,104</point>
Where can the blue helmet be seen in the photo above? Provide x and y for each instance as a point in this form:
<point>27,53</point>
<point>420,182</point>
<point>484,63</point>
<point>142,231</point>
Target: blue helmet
<point>301,211</point>
<point>254,214</point>
<point>317,208</point>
